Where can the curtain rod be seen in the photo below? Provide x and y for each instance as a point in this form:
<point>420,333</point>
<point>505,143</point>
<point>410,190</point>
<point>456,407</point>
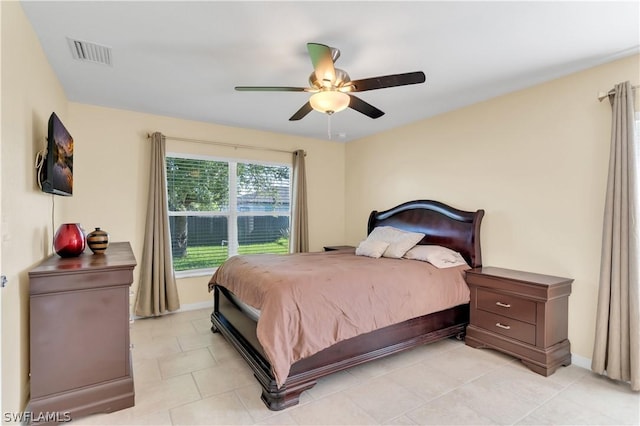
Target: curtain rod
<point>230,145</point>
<point>602,96</point>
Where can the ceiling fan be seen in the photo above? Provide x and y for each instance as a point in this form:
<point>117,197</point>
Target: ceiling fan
<point>332,88</point>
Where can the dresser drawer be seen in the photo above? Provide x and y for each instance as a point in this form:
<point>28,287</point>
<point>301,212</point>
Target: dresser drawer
<point>506,326</point>
<point>506,305</point>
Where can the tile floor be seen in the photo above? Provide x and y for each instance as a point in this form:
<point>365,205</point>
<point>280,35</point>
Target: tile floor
<point>186,375</point>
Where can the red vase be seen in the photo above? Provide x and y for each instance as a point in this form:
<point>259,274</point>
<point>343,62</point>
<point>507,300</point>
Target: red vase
<point>69,240</point>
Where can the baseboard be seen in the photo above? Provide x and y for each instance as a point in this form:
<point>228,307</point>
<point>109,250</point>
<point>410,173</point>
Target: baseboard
<point>581,361</point>
<point>185,308</point>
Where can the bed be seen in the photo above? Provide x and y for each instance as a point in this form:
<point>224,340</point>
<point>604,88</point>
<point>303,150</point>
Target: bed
<point>237,321</point>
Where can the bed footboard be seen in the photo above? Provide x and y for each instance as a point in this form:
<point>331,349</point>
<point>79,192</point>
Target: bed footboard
<point>228,319</point>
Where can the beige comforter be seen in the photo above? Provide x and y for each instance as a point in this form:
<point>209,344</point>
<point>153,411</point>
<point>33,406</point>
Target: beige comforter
<point>309,301</point>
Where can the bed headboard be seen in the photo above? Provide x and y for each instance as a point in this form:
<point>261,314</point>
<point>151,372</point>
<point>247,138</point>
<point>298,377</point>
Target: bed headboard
<point>442,225</point>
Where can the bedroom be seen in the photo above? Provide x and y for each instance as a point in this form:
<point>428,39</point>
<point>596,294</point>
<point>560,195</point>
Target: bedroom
<point>564,202</point>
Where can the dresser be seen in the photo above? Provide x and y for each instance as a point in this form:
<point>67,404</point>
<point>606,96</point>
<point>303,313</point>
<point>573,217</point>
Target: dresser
<point>522,314</point>
<point>80,357</point>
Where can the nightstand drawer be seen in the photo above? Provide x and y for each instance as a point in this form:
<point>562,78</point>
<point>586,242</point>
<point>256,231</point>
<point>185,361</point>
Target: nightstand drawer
<point>507,326</point>
<point>506,305</point>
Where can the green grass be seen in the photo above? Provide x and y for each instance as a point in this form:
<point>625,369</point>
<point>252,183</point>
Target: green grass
<point>203,257</point>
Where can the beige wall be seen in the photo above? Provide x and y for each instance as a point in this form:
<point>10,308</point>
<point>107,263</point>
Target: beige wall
<point>535,160</point>
<point>30,92</point>
<point>111,174</point>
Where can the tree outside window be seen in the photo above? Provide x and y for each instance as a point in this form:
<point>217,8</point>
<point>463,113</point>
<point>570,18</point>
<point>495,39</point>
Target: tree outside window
<point>218,209</point>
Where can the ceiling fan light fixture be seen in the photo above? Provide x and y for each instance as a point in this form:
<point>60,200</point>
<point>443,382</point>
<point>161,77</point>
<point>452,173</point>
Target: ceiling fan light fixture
<point>329,101</point>
<point>331,87</point>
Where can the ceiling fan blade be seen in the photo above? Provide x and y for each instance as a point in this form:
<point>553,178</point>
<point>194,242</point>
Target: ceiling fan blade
<point>364,107</point>
<point>302,112</point>
<point>387,81</point>
<point>322,60</point>
<point>270,89</point>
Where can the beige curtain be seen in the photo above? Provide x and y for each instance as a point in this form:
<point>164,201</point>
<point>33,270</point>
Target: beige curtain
<point>617,342</point>
<point>299,226</point>
<point>157,291</point>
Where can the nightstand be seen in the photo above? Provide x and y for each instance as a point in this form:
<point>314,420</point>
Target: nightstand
<point>332,248</point>
<point>522,314</point>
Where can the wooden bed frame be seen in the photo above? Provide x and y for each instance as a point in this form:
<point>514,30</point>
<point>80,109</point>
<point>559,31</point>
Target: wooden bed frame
<point>442,225</point>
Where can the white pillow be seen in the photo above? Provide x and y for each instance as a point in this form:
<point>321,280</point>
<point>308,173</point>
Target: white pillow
<point>371,248</point>
<point>399,241</point>
<point>438,256</point>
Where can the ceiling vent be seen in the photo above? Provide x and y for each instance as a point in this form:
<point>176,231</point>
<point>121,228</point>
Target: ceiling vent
<point>91,52</point>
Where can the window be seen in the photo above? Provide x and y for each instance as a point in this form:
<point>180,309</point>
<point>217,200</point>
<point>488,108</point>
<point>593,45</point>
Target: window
<point>218,209</point>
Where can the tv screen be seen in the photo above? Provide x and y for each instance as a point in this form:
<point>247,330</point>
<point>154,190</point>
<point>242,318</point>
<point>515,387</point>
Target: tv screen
<point>57,172</point>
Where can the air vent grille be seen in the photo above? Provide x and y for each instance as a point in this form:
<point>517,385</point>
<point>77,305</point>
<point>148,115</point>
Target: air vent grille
<point>91,52</point>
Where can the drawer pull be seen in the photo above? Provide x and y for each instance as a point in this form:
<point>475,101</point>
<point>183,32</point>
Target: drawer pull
<point>503,305</point>
<point>506,327</point>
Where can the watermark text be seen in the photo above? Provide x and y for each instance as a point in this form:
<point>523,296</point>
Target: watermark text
<point>29,417</point>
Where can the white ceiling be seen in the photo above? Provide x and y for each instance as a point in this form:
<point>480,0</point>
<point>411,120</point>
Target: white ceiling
<point>183,59</point>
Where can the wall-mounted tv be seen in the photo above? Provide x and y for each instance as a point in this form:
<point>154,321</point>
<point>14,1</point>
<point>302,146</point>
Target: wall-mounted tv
<point>56,174</point>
